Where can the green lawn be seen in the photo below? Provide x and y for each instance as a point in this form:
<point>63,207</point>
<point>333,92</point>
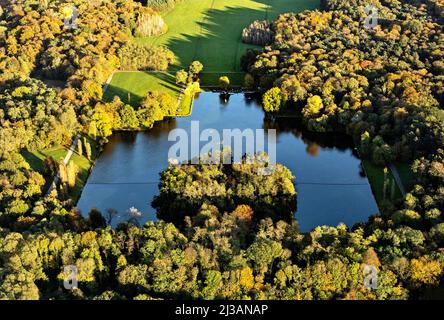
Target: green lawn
<point>204,30</point>
<point>406,174</point>
<point>375,175</point>
<point>37,158</point>
<point>132,87</point>
<point>210,30</point>
<point>186,106</point>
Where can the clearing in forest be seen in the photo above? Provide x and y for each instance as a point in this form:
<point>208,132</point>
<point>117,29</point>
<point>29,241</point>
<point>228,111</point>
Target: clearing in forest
<point>208,31</point>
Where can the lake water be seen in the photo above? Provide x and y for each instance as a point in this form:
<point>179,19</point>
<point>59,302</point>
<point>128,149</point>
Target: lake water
<point>329,180</point>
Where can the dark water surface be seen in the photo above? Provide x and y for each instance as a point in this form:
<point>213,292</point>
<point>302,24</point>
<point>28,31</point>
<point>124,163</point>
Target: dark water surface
<point>329,179</point>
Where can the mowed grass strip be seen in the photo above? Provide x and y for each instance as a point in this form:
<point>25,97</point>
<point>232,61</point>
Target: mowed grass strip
<point>84,166</point>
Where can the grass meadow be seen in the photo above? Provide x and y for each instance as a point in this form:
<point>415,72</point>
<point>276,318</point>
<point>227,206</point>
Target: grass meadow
<point>204,30</point>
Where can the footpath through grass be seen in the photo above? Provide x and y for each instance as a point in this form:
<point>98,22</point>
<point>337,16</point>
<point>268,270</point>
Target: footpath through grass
<point>36,161</point>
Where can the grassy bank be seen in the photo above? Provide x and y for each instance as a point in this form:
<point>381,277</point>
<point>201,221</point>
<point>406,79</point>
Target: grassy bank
<point>375,175</point>
<point>211,79</point>
<point>36,161</point>
<point>84,166</point>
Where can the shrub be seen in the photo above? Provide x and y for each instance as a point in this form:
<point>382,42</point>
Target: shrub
<point>128,118</point>
<point>155,107</point>
<point>248,81</point>
<point>408,217</point>
<point>181,77</point>
<point>196,67</point>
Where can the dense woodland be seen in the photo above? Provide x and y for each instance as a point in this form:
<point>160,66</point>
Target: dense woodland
<point>383,86</point>
<point>184,189</point>
<point>51,79</point>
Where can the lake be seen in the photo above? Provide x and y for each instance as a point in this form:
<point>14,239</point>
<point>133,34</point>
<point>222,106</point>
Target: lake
<point>330,182</point>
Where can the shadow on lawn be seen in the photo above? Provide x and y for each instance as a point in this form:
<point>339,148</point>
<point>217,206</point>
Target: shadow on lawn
<point>35,162</point>
<point>124,95</point>
<point>167,80</point>
<point>219,46</point>
<point>219,40</point>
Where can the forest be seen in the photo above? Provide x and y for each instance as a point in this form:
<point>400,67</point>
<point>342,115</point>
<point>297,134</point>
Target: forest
<point>384,87</point>
<point>186,188</point>
<point>234,239</point>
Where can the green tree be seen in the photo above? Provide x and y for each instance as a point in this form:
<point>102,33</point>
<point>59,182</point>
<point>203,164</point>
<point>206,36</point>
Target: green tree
<point>263,253</point>
<point>88,150</point>
<point>103,121</point>
<point>181,77</point>
<point>195,68</point>
<point>71,171</point>
<point>19,286</point>
<point>128,118</point>
<point>79,147</point>
<point>249,81</point>
<point>313,107</point>
<point>224,82</point>
<point>92,130</point>
<point>437,233</point>
<point>273,100</point>
<point>50,166</point>
<point>213,282</point>
<point>96,219</point>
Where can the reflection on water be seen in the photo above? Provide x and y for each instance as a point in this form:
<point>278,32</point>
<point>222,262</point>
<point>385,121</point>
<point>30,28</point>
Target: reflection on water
<point>329,179</point>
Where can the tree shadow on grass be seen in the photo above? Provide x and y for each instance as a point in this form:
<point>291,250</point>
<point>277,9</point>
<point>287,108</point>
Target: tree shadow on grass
<point>219,43</point>
<point>35,162</point>
<point>166,82</point>
<point>124,95</point>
